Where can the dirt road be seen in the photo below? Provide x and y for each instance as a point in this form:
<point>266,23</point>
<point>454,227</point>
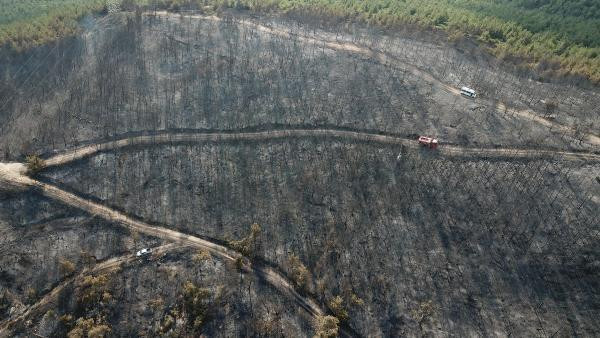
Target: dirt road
<point>193,137</point>
<point>386,59</point>
<point>45,303</point>
<point>12,176</point>
<point>268,274</point>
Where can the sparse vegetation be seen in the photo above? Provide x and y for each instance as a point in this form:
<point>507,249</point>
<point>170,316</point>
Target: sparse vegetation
<point>31,295</point>
<point>196,302</point>
<point>89,328</point>
<point>34,164</point>
<point>266,327</point>
<point>87,258</point>
<point>356,300</point>
<point>247,246</point>
<point>167,324</point>
<point>157,304</point>
<point>66,319</point>
<point>93,290</point>
<point>202,256</point>
<point>66,267</point>
<point>327,327</point>
<point>299,272</point>
<point>550,108</point>
<point>336,304</point>
<point>238,263</point>
<point>423,312</point>
<point>93,307</point>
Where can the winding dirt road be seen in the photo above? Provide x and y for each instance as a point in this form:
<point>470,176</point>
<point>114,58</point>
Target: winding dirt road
<point>271,276</point>
<point>12,175</point>
<point>45,303</point>
<point>196,137</point>
<point>267,273</point>
<point>384,58</point>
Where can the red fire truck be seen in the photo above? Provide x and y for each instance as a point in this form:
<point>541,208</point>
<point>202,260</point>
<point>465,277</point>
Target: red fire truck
<point>429,142</point>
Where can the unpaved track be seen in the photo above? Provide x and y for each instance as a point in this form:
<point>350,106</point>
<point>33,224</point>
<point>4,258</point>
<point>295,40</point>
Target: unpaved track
<point>193,137</point>
<point>384,58</point>
<point>50,298</point>
<point>12,176</point>
<point>269,274</point>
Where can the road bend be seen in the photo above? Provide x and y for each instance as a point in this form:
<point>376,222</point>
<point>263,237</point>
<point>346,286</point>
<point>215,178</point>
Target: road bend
<point>50,298</point>
<point>384,58</point>
<point>264,272</point>
<point>78,153</point>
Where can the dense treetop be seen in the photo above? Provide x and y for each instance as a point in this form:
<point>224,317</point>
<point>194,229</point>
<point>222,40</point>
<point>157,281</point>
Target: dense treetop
<point>27,23</point>
<point>554,36</point>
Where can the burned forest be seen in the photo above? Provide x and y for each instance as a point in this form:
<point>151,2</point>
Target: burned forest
<point>292,175</point>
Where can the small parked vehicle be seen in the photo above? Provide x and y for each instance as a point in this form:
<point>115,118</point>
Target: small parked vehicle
<point>143,252</point>
<point>466,91</point>
<point>429,142</point>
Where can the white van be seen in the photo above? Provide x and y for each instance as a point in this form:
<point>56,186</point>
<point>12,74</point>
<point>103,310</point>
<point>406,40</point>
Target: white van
<point>466,91</point>
<point>143,252</point>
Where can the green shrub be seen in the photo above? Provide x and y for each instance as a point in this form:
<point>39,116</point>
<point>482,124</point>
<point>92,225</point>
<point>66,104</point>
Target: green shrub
<point>202,256</point>
<point>34,164</point>
<point>247,245</point>
<point>196,301</point>
<point>550,108</point>
<point>93,290</point>
<point>337,307</point>
<point>31,295</point>
<point>299,272</point>
<point>326,326</point>
<point>66,319</point>
<point>90,328</point>
<point>422,313</point>
<point>66,267</point>
<point>239,263</point>
<point>356,300</point>
<point>167,324</point>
